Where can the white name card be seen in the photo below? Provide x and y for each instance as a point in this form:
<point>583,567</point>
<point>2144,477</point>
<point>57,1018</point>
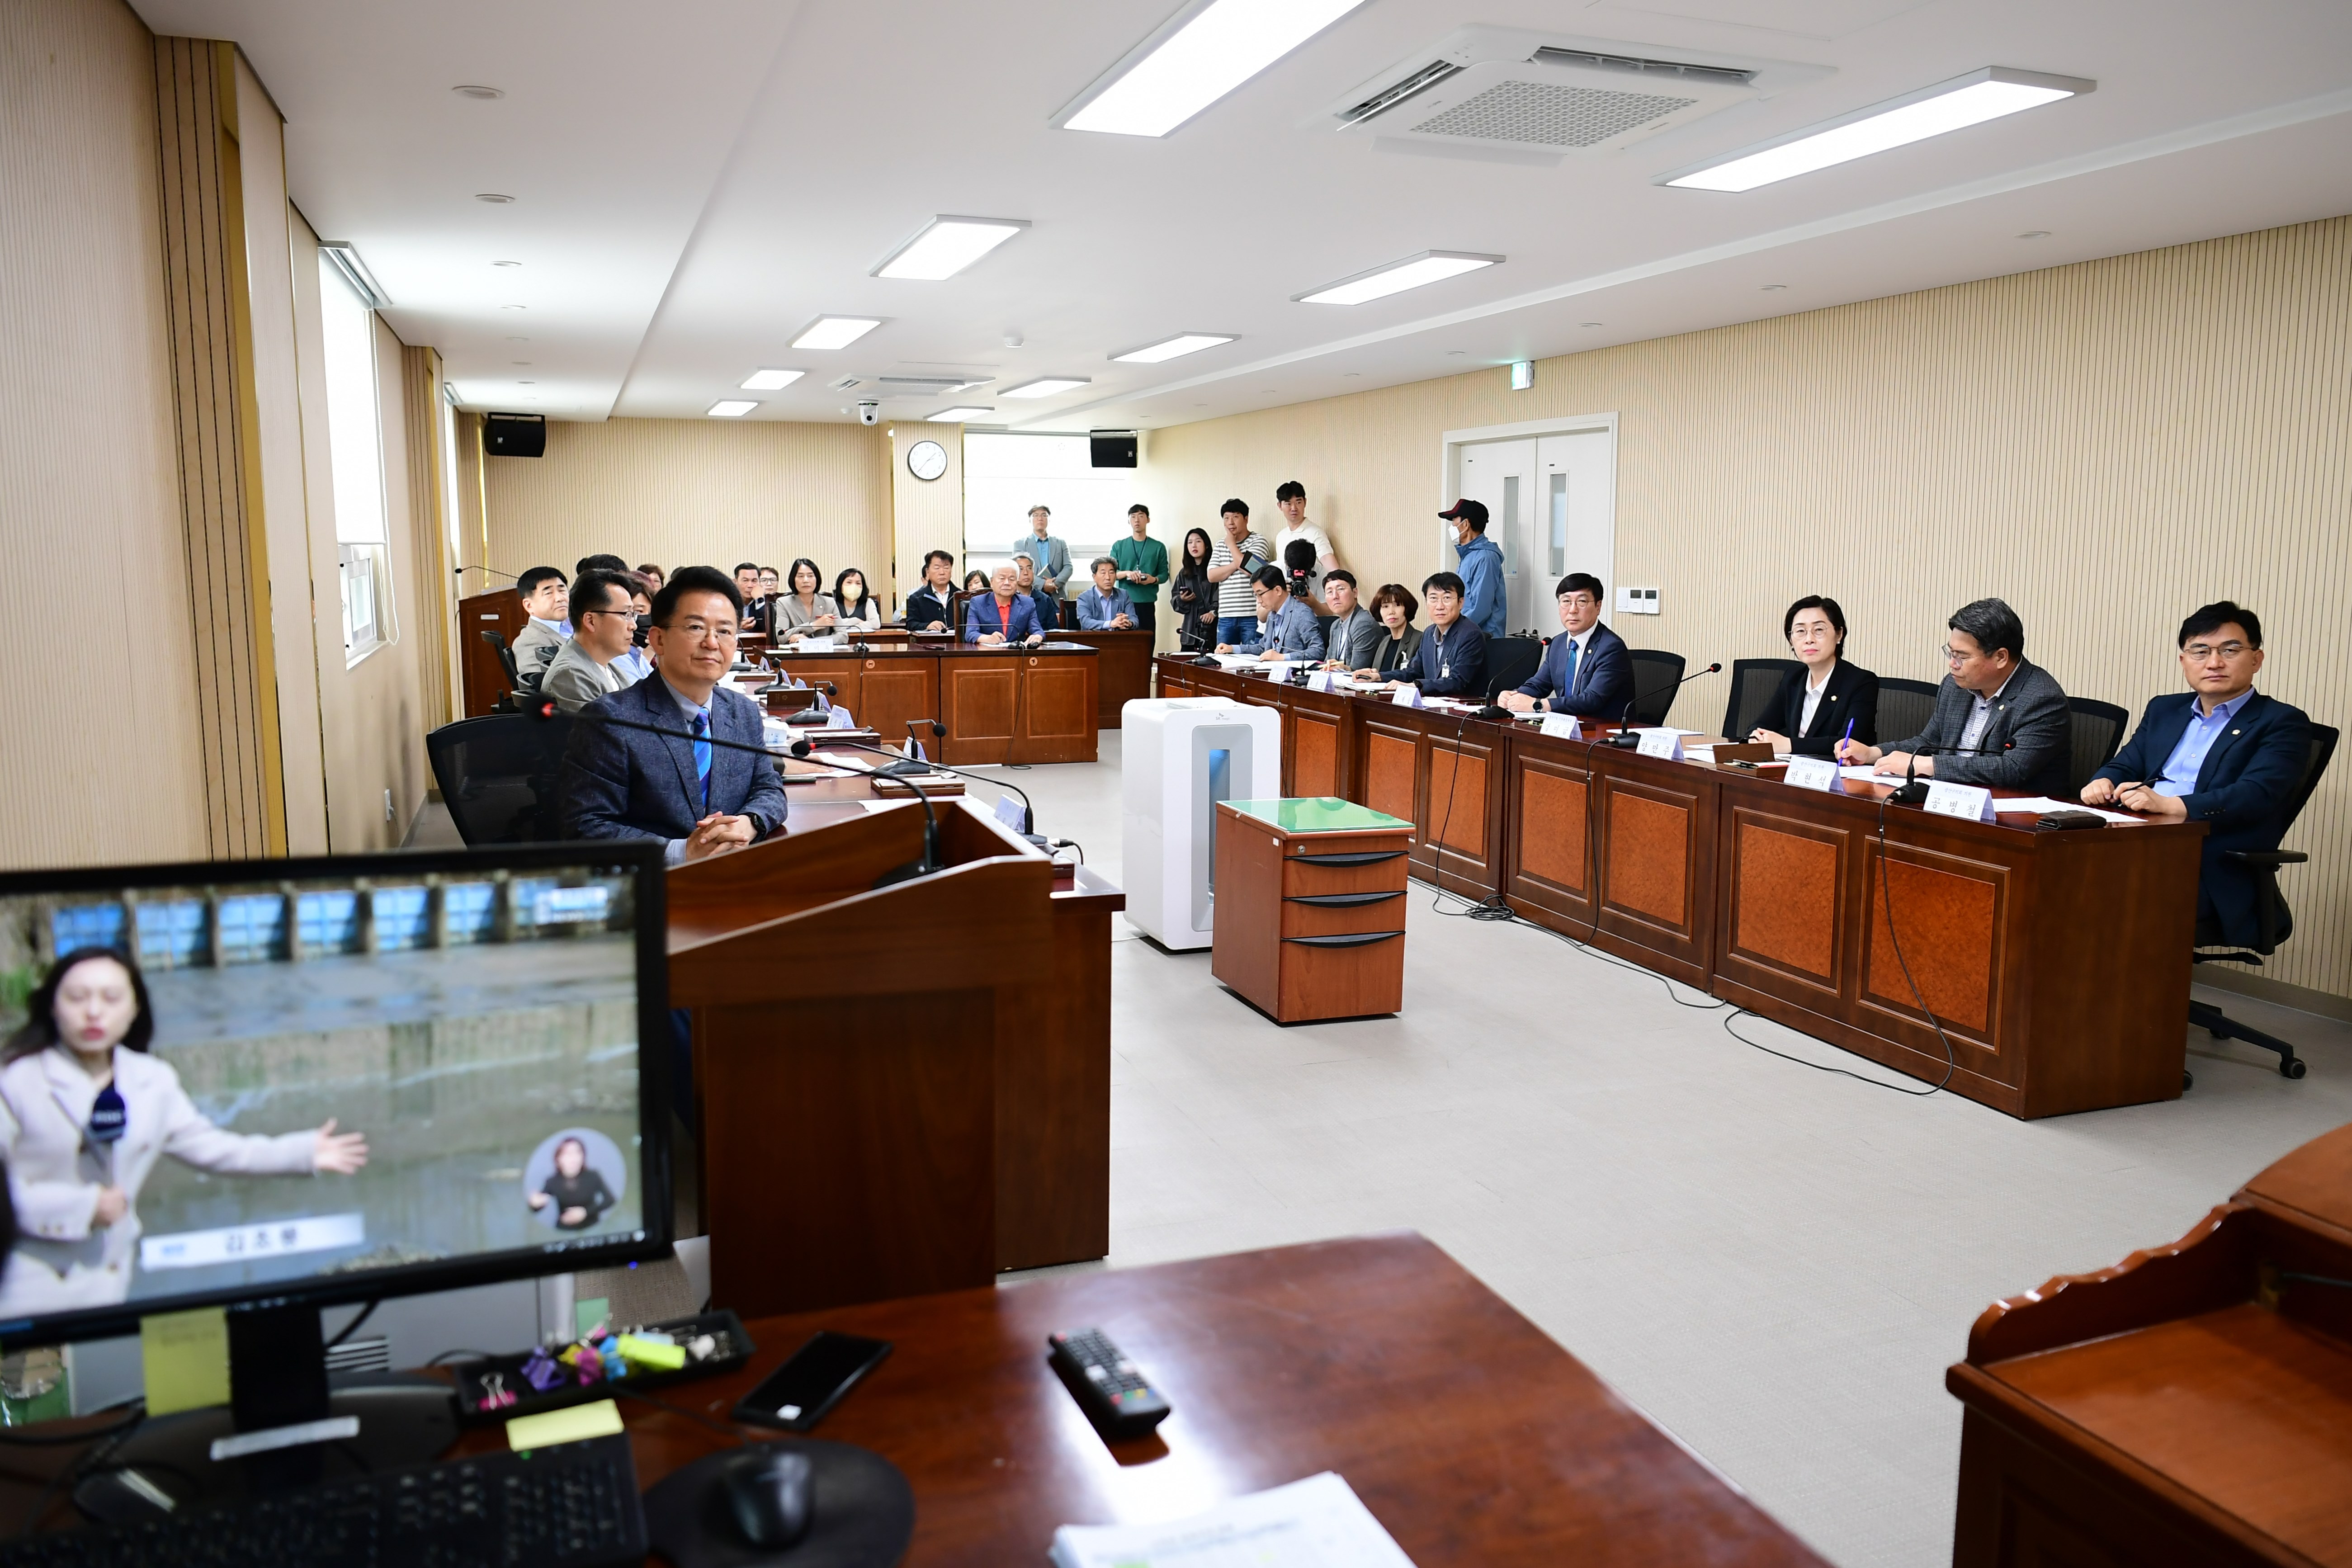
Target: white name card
<point>1964,801</point>
<point>1319,680</point>
<point>1811,773</point>
<point>1406,696</point>
<point>1664,743</point>
<point>838,718</point>
<point>1561,727</point>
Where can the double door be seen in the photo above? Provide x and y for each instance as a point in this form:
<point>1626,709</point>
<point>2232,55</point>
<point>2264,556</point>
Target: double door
<point>1552,506</point>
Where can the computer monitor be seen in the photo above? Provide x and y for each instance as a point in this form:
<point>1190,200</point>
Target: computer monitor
<point>494,1024</point>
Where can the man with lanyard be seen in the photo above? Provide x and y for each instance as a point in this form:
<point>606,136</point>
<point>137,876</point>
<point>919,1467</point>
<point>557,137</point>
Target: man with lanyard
<point>1452,658</point>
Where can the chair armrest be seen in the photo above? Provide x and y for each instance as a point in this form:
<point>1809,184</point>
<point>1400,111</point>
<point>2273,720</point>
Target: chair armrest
<point>2272,858</point>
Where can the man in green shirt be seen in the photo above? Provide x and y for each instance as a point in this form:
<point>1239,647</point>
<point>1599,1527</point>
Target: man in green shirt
<point>1142,563</point>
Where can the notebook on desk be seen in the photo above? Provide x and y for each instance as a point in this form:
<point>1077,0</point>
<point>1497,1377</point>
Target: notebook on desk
<point>1318,1522</point>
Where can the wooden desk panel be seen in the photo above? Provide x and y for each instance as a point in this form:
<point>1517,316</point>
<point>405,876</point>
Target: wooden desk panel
<point>893,692</point>
<point>977,698</point>
<point>1123,672</point>
<point>1058,708</point>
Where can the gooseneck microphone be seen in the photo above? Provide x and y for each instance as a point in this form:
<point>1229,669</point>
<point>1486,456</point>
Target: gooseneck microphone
<point>938,732</point>
<point>922,865</point>
<point>1913,790</point>
<point>1627,739</point>
<point>510,576</point>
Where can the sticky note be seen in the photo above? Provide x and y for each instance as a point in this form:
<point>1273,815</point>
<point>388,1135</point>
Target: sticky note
<point>588,1315</point>
<point>572,1425</point>
<point>184,1358</point>
<point>650,1355</point>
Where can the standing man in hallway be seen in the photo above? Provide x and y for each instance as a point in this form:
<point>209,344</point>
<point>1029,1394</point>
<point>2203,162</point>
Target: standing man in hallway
<point>1142,564</point>
<point>1051,559</point>
<point>1483,591</point>
<point>1290,500</point>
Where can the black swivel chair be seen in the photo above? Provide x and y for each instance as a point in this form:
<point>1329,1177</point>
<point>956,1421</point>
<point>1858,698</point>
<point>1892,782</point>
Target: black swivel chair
<point>1510,660</point>
<point>499,776</point>
<point>2274,922</point>
<point>513,693</point>
<point>1904,708</point>
<point>1754,683</point>
<point>1657,675</point>
<point>2097,732</point>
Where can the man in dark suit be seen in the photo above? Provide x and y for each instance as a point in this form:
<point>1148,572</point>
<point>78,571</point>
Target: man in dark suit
<point>1999,722</point>
<point>698,799</point>
<point>2220,754</point>
<point>1004,613</point>
<point>1586,669</point>
<point>1452,658</point>
<point>931,607</point>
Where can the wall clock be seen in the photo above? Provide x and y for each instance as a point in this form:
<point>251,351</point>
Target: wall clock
<point>927,460</point>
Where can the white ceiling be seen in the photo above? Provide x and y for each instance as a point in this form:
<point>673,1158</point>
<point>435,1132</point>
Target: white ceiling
<point>695,182</point>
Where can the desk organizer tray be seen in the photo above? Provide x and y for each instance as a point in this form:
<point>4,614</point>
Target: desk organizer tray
<point>731,1347</point>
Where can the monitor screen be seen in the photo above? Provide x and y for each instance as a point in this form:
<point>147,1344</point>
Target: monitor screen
<point>333,1079</point>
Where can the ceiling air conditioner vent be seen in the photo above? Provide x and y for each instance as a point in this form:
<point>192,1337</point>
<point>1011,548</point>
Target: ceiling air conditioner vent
<point>1549,114</point>
<point>1395,93</point>
<point>849,383</point>
<point>925,385</point>
<point>1733,75</point>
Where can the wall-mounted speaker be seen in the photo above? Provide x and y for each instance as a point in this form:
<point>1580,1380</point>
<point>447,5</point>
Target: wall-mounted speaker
<point>1111,448</point>
<point>514,435</point>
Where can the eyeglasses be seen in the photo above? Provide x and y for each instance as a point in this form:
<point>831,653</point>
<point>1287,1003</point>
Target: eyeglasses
<point>1955,658</point>
<point>695,631</point>
<point>2200,651</point>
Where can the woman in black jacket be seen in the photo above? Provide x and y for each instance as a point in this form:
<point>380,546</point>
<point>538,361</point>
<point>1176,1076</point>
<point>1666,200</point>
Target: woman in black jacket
<point>1827,701</point>
<point>1193,596</point>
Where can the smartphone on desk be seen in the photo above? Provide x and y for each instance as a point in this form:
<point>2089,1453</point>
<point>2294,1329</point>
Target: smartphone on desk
<point>797,1395</point>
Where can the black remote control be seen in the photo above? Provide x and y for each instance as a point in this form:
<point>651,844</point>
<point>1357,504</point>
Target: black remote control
<point>1106,1385</point>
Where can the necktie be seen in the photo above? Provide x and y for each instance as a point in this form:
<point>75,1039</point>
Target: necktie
<point>1567,683</point>
<point>702,755</point>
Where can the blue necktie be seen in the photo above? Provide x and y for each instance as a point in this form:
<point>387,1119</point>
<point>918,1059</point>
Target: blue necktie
<point>702,755</point>
<point>1567,683</point>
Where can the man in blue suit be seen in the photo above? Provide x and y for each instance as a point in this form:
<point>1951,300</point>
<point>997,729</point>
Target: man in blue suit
<point>2221,754</point>
<point>1004,613</point>
<point>697,798</point>
<point>1586,669</point>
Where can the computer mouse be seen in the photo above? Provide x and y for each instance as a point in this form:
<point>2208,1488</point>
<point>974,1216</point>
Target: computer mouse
<point>768,1491</point>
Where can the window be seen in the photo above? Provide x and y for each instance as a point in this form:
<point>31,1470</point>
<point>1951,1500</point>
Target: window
<point>1005,475</point>
<point>355,447</point>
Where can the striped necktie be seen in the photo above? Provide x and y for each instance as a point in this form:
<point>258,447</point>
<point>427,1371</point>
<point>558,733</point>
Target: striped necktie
<point>702,755</point>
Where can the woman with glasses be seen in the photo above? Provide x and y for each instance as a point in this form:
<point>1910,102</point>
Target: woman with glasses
<point>86,1111</point>
<point>1827,701</point>
<point>804,609</point>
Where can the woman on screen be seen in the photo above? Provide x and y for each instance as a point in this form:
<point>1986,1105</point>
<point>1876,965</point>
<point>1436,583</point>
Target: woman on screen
<point>578,1193</point>
<point>84,1113</point>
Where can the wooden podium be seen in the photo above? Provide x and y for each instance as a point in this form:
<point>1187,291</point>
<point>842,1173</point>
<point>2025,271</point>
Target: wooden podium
<point>888,1105</point>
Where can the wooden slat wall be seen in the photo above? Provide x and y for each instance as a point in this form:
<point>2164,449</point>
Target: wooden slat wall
<point>2106,445</point>
<point>434,614</point>
<point>227,597</point>
<point>695,491</point>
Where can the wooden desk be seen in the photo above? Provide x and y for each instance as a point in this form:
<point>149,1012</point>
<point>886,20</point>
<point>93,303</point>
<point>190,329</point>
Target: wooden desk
<point>2190,1406</point>
<point>1124,671</point>
<point>1473,1438</point>
<point>1000,705</point>
<point>2056,964</point>
<point>1310,907</point>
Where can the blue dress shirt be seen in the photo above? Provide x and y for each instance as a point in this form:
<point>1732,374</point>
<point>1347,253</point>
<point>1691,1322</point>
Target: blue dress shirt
<point>2187,758</point>
<point>674,850</point>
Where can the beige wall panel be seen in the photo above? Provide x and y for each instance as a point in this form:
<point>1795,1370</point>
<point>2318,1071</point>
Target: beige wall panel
<point>435,622</point>
<point>103,763</point>
<point>695,492</point>
<point>2106,445</point>
<point>927,514</point>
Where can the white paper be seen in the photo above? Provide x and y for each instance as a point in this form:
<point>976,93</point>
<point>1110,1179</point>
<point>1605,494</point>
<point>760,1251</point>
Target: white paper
<point>1561,727</point>
<point>1869,773</point>
<point>1406,696</point>
<point>1969,802</point>
<point>843,760</point>
<point>1666,744</point>
<point>1009,811</point>
<point>1318,1522</point>
<point>1811,773</point>
<point>2035,804</point>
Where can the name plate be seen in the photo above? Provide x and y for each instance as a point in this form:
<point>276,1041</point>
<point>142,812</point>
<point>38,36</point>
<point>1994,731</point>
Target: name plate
<point>1561,727</point>
<point>1964,801</point>
<point>1320,680</point>
<point>1811,773</point>
<point>1406,696</point>
<point>1666,744</point>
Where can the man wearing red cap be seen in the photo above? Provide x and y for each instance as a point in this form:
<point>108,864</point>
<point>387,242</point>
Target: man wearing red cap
<point>1482,594</point>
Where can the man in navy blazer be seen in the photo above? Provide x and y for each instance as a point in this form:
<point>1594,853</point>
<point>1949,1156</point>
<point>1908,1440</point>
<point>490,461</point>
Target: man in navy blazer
<point>1586,669</point>
<point>2221,754</point>
<point>1004,613</point>
<point>697,798</point>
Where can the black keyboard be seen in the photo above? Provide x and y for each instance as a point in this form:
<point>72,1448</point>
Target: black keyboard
<point>576,1505</point>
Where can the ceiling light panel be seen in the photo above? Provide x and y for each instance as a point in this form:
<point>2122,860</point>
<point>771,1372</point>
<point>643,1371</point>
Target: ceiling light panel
<point>1204,53</point>
<point>835,332</point>
<point>947,245</point>
<point>772,380</point>
<point>1183,343</point>
<point>1413,272</point>
<point>961,415</point>
<point>731,407</point>
<point>1953,105</point>
<point>1046,386</point>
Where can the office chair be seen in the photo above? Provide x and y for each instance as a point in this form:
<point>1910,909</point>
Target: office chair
<point>1510,660</point>
<point>499,775</point>
<point>2274,922</point>
<point>1656,675</point>
<point>1754,683</point>
<point>1904,708</point>
<point>2097,731</point>
<point>507,698</point>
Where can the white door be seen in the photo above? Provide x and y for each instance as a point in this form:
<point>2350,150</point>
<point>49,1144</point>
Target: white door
<point>1502,476</point>
<point>1576,503</point>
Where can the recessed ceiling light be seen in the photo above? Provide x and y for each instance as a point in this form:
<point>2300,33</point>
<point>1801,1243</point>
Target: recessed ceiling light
<point>492,197</point>
<point>1045,387</point>
<point>770,380</point>
<point>1953,105</point>
<point>947,245</point>
<point>475,90</point>
<point>1204,52</point>
<point>1774,288</point>
<point>961,415</point>
<point>2035,233</point>
<point>1429,266</point>
<point>506,264</point>
<point>1172,348</point>
<point>731,407</point>
<point>835,332</point>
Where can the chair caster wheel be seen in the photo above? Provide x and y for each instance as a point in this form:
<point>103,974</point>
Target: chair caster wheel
<point>2188,1081</point>
<point>2292,1067</point>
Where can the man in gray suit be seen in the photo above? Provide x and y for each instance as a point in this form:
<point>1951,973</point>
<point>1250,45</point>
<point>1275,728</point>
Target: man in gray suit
<point>542,591</point>
<point>604,621</point>
<point>1999,722</point>
<point>1354,637</point>
<point>698,799</point>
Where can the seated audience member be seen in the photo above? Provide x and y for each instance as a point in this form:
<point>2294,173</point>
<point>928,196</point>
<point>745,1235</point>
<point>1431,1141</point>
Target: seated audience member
<point>697,798</point>
<point>1103,607</point>
<point>1002,613</point>
<point>1585,671</point>
<point>2220,754</point>
<point>1286,627</point>
<point>652,574</point>
<point>1141,564</point>
<point>1192,596</point>
<point>1830,700</point>
<point>852,601</point>
<point>634,665</point>
<point>543,591</point>
<point>931,607</point>
<point>599,564</point>
<point>1999,722</point>
<point>1394,608</point>
<point>975,580</point>
<point>804,609</point>
<point>1027,583</point>
<point>1352,639</point>
<point>604,616</point>
<point>1452,658</point>
<point>757,615</point>
<point>771,583</point>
